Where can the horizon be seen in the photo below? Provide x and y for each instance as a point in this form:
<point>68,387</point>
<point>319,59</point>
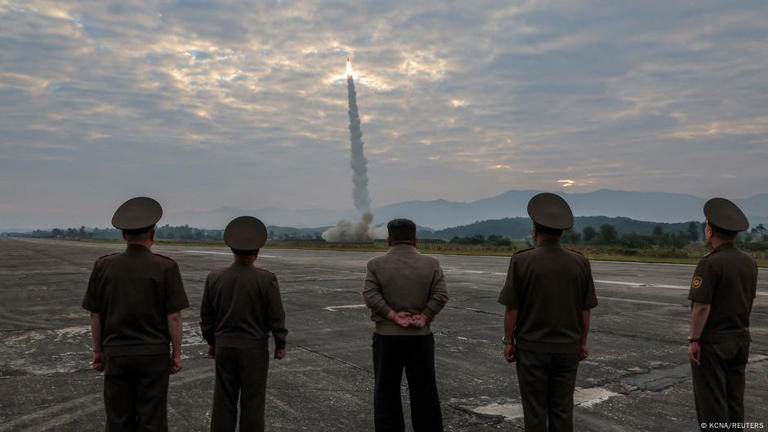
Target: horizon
<point>758,218</point>
<point>350,209</point>
<point>323,227</point>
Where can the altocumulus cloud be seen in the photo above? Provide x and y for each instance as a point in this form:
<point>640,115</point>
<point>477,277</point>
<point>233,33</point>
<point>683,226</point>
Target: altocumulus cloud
<point>210,104</point>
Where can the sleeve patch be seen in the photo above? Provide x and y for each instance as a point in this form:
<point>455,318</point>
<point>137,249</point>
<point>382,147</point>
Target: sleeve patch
<point>696,282</point>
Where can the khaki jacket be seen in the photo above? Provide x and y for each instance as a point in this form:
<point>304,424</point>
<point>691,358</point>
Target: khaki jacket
<point>404,280</point>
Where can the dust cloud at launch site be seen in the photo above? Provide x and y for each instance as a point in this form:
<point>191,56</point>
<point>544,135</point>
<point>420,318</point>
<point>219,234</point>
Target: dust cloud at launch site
<point>362,230</point>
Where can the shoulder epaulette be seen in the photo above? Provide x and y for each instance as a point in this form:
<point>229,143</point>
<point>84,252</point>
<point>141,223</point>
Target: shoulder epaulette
<point>712,252</point>
<point>108,255</point>
<point>264,270</point>
<point>163,256</point>
<point>575,251</point>
<point>523,250</point>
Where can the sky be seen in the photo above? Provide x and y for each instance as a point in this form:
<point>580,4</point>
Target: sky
<point>206,104</point>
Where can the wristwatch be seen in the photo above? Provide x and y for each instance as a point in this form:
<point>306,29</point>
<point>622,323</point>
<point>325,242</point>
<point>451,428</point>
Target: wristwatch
<point>506,341</point>
<point>691,339</point>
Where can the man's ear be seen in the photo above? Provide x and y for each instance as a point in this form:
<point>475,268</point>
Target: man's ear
<point>152,235</point>
<point>123,234</point>
<point>389,241</point>
<point>415,240</point>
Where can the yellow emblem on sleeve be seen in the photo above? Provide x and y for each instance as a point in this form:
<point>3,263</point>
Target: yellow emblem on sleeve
<point>697,281</point>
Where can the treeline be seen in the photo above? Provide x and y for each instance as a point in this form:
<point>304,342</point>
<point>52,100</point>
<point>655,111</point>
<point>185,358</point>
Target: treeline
<point>295,234</point>
<point>168,232</point>
<point>165,232</point>
<point>520,227</point>
<point>479,239</point>
<point>607,234</point>
<point>667,236</point>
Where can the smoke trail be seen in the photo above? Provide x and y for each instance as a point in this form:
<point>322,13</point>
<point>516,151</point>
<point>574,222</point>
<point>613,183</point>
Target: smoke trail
<point>359,163</point>
<point>346,230</point>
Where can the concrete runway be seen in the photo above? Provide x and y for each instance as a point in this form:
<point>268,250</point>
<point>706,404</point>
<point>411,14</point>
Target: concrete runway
<point>637,376</point>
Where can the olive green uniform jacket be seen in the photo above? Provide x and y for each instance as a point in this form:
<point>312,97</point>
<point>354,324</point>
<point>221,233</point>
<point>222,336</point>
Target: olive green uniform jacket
<point>550,286</point>
<point>134,292</point>
<point>725,279</point>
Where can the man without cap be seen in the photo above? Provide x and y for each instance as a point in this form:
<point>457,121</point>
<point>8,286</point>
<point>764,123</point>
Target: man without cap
<point>135,299</point>
<point>548,295</point>
<point>722,291</point>
<point>241,306</point>
<point>404,290</point>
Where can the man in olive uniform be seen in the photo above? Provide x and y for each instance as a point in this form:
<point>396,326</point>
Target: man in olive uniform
<point>548,295</point>
<point>241,306</point>
<point>405,291</point>
<point>135,299</point>
<point>723,288</point>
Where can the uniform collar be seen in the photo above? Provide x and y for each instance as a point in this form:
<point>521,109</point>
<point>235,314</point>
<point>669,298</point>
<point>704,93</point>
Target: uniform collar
<point>729,245</point>
<point>136,249</point>
<point>548,243</point>
<point>402,248</point>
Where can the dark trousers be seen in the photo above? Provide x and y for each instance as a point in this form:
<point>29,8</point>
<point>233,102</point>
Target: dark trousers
<point>136,393</point>
<point>240,372</point>
<point>547,381</point>
<point>718,383</point>
<point>415,354</point>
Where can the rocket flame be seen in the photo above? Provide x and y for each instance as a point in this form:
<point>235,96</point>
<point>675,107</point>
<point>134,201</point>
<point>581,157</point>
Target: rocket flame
<point>349,68</point>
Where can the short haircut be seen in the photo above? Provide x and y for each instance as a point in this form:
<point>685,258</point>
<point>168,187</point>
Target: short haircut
<point>546,230</point>
<point>140,234</point>
<point>401,230</point>
<point>723,234</point>
<point>243,253</point>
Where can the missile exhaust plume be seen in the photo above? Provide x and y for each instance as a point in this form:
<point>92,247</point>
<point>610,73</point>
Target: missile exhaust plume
<point>345,230</point>
<point>359,164</point>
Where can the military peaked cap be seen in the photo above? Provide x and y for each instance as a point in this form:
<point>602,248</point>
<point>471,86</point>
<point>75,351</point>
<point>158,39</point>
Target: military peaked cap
<point>550,211</point>
<point>245,233</point>
<point>137,214</point>
<point>726,215</point>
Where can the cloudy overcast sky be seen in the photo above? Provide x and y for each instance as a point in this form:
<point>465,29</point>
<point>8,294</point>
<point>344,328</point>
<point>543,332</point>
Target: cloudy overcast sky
<point>208,104</point>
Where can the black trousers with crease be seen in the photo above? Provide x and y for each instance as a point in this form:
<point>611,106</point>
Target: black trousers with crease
<point>416,355</point>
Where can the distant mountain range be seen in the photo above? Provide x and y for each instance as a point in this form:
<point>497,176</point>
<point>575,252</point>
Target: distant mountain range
<point>440,214</point>
<point>520,227</point>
